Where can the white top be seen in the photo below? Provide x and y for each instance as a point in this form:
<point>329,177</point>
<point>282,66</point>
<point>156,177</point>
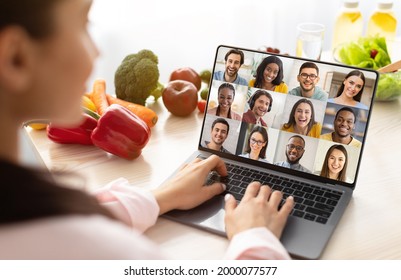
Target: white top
<point>98,237</point>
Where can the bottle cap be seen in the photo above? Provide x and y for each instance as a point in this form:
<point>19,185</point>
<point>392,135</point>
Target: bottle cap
<point>351,4</point>
<point>385,5</point>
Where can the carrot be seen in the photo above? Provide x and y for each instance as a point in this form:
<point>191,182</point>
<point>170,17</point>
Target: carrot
<point>144,113</point>
<point>99,96</point>
<point>89,95</point>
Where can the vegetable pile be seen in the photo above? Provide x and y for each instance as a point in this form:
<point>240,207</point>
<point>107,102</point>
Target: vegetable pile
<point>119,127</point>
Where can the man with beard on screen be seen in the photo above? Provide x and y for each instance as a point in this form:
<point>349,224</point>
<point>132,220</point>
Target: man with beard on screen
<point>233,61</point>
<point>260,103</point>
<point>294,151</point>
<point>218,135</point>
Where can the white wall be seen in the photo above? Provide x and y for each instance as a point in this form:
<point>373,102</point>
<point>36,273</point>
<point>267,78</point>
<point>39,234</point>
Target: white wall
<point>186,33</point>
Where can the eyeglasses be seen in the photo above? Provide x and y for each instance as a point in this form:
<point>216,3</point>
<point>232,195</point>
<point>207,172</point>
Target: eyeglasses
<point>298,148</point>
<point>305,76</point>
<point>257,142</point>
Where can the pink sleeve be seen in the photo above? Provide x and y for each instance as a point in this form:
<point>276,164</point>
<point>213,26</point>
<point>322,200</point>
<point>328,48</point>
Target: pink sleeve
<point>133,206</point>
<point>256,244</point>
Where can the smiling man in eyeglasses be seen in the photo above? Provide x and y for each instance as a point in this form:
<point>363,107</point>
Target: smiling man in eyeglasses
<point>308,77</point>
<point>294,151</point>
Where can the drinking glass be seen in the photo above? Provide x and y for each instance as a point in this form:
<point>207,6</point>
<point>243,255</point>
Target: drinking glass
<point>310,40</point>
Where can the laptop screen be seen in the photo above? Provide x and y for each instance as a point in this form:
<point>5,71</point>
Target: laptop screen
<point>288,114</point>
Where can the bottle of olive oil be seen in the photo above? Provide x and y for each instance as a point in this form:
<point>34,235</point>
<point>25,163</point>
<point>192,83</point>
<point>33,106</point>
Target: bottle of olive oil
<point>383,21</point>
<point>349,23</point>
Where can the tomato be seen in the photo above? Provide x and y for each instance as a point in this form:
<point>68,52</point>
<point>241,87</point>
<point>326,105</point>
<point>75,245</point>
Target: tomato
<point>202,106</point>
<point>180,97</point>
<point>187,74</point>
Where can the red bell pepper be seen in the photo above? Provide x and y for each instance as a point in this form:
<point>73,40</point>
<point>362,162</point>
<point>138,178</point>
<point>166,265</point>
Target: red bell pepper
<point>121,132</point>
<point>74,135</point>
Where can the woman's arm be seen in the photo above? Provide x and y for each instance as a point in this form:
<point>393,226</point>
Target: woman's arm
<point>140,208</point>
<point>135,207</point>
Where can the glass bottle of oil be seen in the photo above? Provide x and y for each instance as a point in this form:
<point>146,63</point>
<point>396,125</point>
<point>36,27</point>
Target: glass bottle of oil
<point>383,21</point>
<point>349,23</point>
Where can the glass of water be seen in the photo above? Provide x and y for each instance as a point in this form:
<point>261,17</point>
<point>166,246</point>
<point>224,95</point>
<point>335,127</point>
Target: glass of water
<point>310,40</point>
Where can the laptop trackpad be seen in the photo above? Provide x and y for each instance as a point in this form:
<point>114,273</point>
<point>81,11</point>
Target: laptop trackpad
<point>208,216</point>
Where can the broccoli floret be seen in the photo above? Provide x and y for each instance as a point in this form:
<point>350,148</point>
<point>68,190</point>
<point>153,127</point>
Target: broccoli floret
<point>157,92</point>
<point>137,77</point>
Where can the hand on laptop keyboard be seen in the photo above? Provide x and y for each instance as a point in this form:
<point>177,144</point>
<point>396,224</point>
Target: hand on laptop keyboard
<point>187,188</point>
<point>258,208</point>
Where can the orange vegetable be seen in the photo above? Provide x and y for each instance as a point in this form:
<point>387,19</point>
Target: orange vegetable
<point>146,114</point>
<point>38,126</point>
<point>99,97</point>
<point>88,103</point>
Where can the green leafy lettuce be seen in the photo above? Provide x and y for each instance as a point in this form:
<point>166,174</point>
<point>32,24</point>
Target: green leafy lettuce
<point>389,86</point>
<point>367,52</point>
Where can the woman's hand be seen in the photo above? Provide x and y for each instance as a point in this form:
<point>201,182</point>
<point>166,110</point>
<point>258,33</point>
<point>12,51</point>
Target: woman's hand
<point>258,208</point>
<point>186,189</point>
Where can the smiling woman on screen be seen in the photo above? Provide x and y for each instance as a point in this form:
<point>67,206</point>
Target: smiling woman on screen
<point>302,119</point>
<point>350,91</point>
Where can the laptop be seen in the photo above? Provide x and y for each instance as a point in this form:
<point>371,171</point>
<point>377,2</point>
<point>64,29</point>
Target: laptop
<point>286,140</point>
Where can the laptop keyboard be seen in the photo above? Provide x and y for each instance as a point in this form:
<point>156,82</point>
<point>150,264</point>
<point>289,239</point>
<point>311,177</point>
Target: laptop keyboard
<point>312,203</point>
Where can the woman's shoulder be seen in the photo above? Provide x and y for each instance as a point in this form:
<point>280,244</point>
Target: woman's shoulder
<point>316,130</point>
<point>264,160</point>
<point>360,105</point>
<point>212,111</point>
<point>235,116</point>
<point>288,128</point>
<point>282,87</point>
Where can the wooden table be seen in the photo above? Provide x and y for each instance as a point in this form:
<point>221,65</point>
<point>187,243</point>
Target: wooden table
<point>370,229</point>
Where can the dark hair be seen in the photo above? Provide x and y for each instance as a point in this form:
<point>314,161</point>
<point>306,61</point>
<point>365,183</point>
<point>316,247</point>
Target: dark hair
<point>256,95</point>
<point>223,121</point>
<point>235,51</point>
<point>35,16</point>
<point>348,109</point>
<point>325,169</point>
<point>297,136</point>
<point>291,119</point>
<point>309,65</point>
<point>32,194</point>
<point>353,73</point>
<point>261,130</point>
<point>223,86</point>
<point>261,68</point>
